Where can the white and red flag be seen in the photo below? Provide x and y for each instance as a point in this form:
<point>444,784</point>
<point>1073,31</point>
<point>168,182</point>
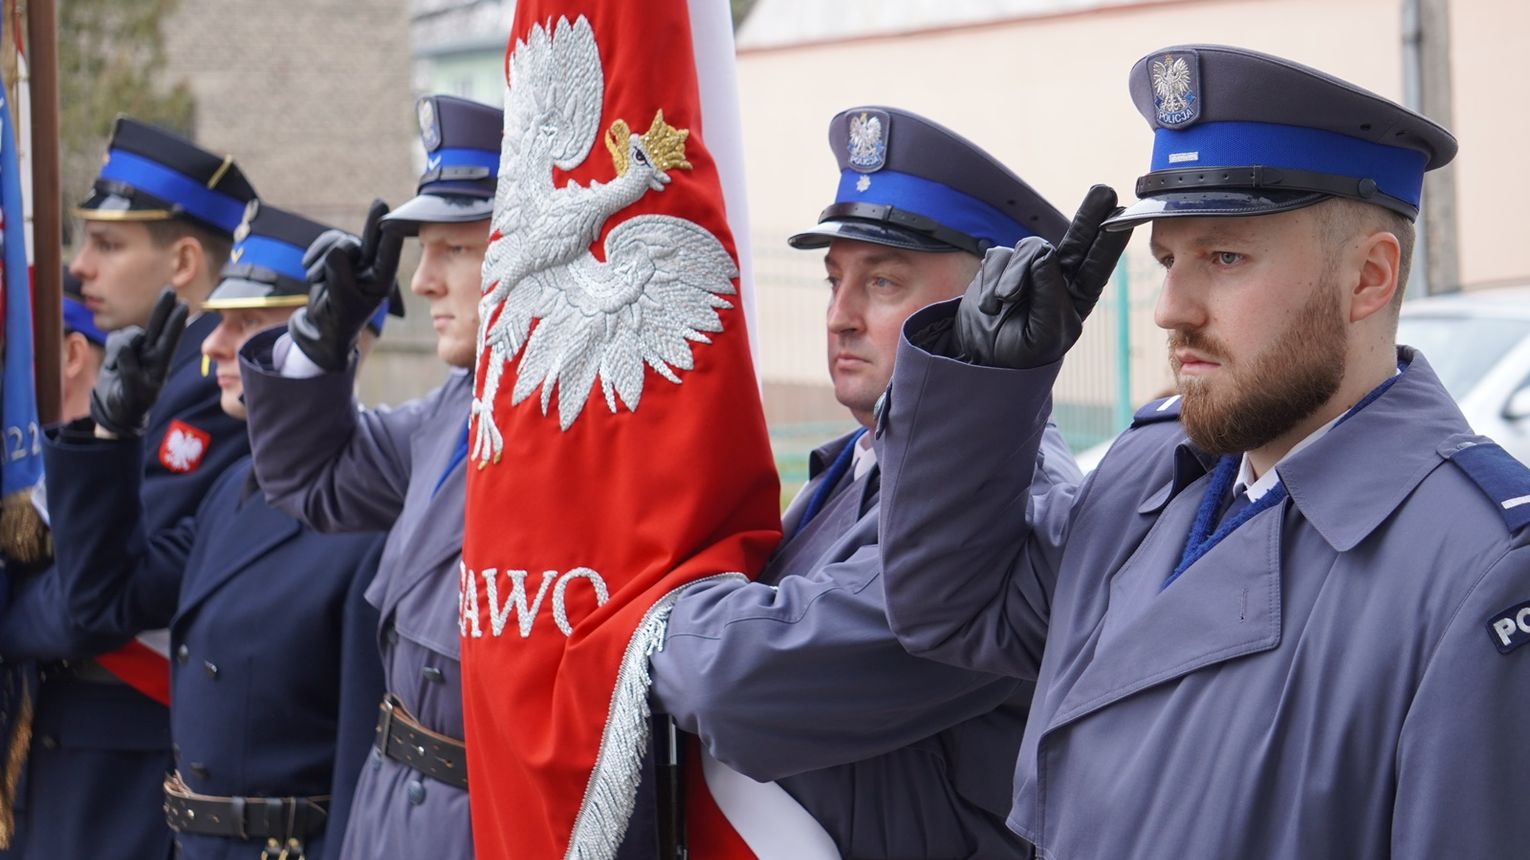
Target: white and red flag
<point>618,450</point>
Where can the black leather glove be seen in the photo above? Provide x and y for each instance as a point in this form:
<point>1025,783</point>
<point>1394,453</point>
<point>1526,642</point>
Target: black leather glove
<point>134,370</point>
<point>347,279</point>
<point>1027,305</point>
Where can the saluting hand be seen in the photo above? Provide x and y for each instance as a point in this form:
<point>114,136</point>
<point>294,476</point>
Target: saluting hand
<point>1026,307</point>
<point>134,370</point>
<point>348,278</point>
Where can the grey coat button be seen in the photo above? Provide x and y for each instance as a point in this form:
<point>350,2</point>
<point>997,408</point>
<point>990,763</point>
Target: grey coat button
<point>182,654</point>
<point>416,792</point>
<point>433,675</point>
<point>210,669</point>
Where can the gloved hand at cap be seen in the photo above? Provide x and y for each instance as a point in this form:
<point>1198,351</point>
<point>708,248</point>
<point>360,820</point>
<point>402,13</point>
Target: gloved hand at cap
<point>348,278</point>
<point>135,367</point>
<point>1027,305</point>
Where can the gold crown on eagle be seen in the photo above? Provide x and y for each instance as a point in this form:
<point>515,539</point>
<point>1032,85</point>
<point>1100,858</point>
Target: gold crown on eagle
<point>665,144</point>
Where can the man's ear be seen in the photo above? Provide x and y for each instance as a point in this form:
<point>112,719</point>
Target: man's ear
<point>76,347</point>
<point>187,258</point>
<point>1379,258</point>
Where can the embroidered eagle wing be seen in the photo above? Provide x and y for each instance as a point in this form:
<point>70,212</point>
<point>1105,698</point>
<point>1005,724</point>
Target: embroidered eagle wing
<point>658,291</point>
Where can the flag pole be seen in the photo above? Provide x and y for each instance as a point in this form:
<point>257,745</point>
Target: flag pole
<point>47,205</point>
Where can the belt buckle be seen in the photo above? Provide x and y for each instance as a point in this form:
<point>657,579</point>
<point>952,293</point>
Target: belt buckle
<point>385,731</point>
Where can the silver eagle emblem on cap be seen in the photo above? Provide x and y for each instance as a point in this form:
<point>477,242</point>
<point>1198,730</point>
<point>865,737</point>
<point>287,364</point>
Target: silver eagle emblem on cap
<point>430,129</point>
<point>868,141</point>
<point>1174,90</point>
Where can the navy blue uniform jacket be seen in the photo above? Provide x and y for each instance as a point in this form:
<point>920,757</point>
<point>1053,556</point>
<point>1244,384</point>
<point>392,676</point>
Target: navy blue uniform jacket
<point>99,752</point>
<point>274,671</point>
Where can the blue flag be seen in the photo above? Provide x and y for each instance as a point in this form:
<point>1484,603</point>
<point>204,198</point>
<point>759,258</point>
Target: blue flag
<point>22,537</point>
<point>21,467</point>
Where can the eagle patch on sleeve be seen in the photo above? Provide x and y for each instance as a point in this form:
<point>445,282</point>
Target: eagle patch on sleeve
<point>183,447</point>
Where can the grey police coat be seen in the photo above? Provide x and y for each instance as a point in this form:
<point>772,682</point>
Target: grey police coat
<point>1323,683</point>
<point>338,468</point>
<point>797,678</point>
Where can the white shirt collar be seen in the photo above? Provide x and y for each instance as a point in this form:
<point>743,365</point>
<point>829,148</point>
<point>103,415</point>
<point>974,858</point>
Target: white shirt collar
<point>1256,488</point>
<point>1253,488</point>
<point>864,458</point>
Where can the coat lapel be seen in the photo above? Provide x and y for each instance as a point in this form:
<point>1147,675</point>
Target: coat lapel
<point>254,531</point>
<point>433,533</point>
<point>1226,605</point>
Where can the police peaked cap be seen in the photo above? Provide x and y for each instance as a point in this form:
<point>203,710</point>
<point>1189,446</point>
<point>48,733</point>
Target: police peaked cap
<point>265,267</point>
<point>1238,133</point>
<point>462,143</point>
<point>150,174</point>
<point>911,183</point>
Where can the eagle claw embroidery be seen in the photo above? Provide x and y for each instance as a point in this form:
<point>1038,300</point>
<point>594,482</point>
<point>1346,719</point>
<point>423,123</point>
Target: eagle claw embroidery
<point>660,286</point>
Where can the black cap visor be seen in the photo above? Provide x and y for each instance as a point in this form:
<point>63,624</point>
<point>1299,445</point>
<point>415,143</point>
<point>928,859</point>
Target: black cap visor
<point>437,209</point>
<point>235,292</point>
<point>875,232</point>
<point>108,205</point>
<point>1211,204</point>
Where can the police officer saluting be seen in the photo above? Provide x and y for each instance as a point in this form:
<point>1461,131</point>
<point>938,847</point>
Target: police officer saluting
<point>797,677</point>
<point>1282,625</point>
<point>341,469</point>
<point>161,214</point>
<point>274,677</point>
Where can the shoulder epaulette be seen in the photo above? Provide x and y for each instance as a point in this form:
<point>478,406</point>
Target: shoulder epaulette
<point>1163,409</point>
<point>1505,480</point>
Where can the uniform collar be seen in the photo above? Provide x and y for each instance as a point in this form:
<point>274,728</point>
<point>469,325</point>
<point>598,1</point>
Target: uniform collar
<point>1348,482</point>
<point>820,457</point>
<point>1384,450</point>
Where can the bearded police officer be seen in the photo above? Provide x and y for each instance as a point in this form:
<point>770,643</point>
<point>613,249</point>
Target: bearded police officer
<point>1279,619</point>
<point>797,677</point>
<point>161,214</point>
<point>274,671</point>
<point>341,469</point>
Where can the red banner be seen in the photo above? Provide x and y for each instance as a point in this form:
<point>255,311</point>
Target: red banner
<point>619,449</point>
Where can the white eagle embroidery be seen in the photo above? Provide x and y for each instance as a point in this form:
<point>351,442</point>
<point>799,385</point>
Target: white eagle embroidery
<point>660,286</point>
<point>1171,83</point>
<point>865,139</point>
<point>182,450</point>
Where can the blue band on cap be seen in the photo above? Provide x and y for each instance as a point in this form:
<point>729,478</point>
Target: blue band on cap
<point>78,318</point>
<point>940,203</point>
<point>274,254</point>
<point>173,187</point>
<point>462,157</point>
<point>1397,171</point>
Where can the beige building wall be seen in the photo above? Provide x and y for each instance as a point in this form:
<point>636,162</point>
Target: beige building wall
<point>1048,96</point>
<point>313,98</point>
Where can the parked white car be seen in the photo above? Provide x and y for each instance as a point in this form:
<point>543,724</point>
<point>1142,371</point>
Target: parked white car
<point>1479,344</point>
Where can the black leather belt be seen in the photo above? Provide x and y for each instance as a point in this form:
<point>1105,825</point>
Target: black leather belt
<point>279,818</point>
<point>83,669</point>
<point>401,738</point>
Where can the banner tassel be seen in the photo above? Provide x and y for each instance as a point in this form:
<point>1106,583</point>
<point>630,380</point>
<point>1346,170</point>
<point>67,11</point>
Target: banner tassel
<point>24,536</point>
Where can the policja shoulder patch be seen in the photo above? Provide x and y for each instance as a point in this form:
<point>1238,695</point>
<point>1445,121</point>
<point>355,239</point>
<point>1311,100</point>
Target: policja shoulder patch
<point>1510,628</point>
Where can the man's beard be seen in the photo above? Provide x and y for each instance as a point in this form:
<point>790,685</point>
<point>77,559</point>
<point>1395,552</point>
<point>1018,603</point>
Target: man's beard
<point>1251,406</point>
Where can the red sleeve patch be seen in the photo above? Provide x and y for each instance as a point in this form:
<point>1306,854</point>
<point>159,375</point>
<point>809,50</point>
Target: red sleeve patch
<point>183,447</point>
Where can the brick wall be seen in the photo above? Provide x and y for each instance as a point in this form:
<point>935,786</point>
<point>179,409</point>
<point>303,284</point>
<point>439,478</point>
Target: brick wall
<point>313,98</point>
